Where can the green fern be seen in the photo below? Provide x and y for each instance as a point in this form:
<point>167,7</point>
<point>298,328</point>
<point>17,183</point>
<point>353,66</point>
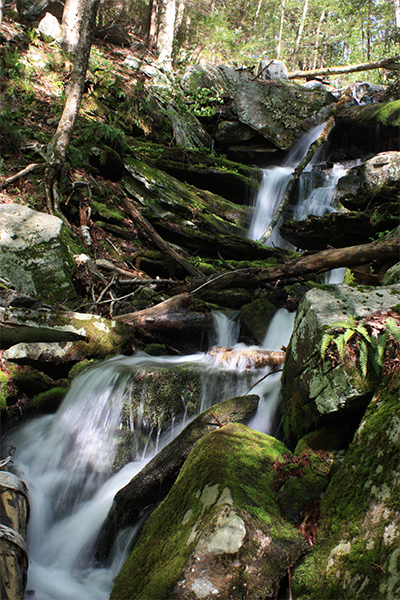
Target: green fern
<point>326,340</point>
<point>363,357</point>
<point>393,329</point>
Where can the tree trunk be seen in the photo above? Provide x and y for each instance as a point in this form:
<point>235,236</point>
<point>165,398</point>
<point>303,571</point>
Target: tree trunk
<point>149,230</point>
<point>300,33</point>
<point>321,20</point>
<point>71,21</point>
<point>152,27</point>
<point>248,359</point>
<point>298,267</point>
<point>396,6</point>
<point>257,13</point>
<point>279,46</point>
<point>387,63</point>
<point>1,11</point>
<point>179,313</point>
<point>165,37</point>
<point>58,146</point>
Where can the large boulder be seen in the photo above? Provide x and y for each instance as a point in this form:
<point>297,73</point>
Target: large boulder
<point>155,480</point>
<point>370,128</point>
<point>34,253</point>
<point>316,390</point>
<point>273,108</point>
<point>219,532</point>
<point>357,549</point>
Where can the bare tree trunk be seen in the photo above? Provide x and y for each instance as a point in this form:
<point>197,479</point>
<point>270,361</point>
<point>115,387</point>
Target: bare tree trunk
<point>300,33</point>
<point>1,11</point>
<point>279,47</point>
<point>165,37</point>
<point>396,6</point>
<point>152,29</point>
<point>58,146</point>
<point>388,63</point>
<point>257,13</point>
<point>71,22</point>
<point>298,267</point>
<point>321,20</point>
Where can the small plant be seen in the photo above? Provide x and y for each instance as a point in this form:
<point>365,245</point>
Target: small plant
<point>371,348</point>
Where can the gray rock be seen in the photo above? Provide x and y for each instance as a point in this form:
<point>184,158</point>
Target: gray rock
<point>274,69</point>
<point>315,391</point>
<point>50,29</point>
<point>273,108</point>
<point>34,10</point>
<point>392,275</point>
<point>34,255</point>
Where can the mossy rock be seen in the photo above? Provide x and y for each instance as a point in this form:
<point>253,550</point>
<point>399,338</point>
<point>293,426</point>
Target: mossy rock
<point>154,481</point>
<point>47,402</point>
<point>255,318</point>
<point>357,549</point>
<point>219,529</point>
<point>28,380</point>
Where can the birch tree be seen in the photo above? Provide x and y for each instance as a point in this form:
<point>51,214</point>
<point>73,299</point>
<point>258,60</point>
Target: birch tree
<point>70,25</point>
<point>165,37</point>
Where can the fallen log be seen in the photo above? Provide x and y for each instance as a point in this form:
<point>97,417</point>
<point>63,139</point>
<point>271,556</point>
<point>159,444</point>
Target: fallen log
<point>179,313</point>
<point>14,514</point>
<point>149,230</point>
<point>387,63</point>
<point>155,480</point>
<point>320,262</point>
<point>247,359</point>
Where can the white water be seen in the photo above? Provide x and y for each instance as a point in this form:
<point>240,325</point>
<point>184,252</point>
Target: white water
<point>273,186</point>
<point>66,461</point>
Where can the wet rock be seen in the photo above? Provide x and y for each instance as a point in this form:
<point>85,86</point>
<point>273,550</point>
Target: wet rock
<point>219,531</point>
<point>155,480</point>
<point>370,128</point>
<point>259,104</point>
<point>315,391</point>
<point>357,549</point>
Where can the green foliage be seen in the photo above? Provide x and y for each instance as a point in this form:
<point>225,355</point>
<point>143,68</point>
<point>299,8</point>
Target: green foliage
<point>371,350</point>
<point>95,132</point>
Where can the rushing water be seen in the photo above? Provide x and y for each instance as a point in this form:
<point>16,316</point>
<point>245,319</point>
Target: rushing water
<point>67,459</point>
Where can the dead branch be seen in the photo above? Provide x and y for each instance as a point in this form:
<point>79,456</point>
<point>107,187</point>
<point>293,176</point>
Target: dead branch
<point>149,230</point>
<point>20,174</point>
<point>388,63</point>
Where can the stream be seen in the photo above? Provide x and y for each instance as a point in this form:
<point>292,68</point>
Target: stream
<point>66,459</point>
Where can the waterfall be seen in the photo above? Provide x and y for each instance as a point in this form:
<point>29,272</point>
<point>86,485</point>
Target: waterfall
<point>66,460</point>
<point>227,328</point>
<point>273,186</point>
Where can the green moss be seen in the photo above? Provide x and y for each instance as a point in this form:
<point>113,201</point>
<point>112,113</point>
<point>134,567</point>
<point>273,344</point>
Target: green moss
<point>30,381</point>
<point>47,402</point>
<point>353,551</point>
<point>239,456</point>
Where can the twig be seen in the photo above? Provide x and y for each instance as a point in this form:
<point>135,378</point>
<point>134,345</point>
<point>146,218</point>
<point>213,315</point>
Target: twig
<point>290,583</point>
<point>111,294</point>
<point>215,279</point>
<point>225,263</point>
<point>107,301</point>
<point>99,299</point>
<point>262,379</point>
<point>216,418</point>
<point>28,169</point>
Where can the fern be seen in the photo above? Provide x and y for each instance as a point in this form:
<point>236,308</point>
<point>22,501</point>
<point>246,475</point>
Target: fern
<point>363,357</point>
<point>393,329</point>
<point>326,340</point>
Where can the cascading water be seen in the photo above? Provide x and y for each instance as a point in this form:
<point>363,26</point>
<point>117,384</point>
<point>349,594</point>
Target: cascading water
<point>67,459</point>
<point>273,186</point>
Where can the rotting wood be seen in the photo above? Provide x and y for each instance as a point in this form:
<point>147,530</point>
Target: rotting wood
<point>256,359</point>
<point>179,313</point>
<point>298,267</point>
<point>149,230</point>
